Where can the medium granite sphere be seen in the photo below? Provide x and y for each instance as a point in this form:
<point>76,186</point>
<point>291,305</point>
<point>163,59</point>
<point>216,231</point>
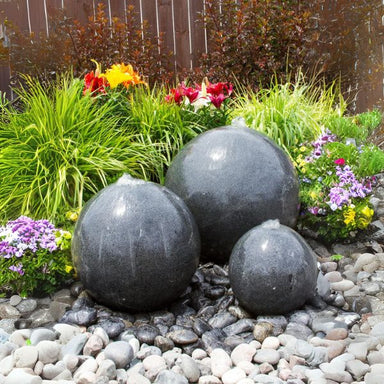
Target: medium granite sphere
<point>272,269</point>
<point>233,179</point>
<point>136,245</point>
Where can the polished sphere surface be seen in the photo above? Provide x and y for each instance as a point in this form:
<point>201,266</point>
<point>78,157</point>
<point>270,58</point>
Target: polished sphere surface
<point>232,179</point>
<point>136,245</point>
<point>272,270</point>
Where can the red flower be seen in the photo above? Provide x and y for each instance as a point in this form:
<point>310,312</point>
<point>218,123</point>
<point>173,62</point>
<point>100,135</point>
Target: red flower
<point>93,84</point>
<point>176,95</point>
<point>340,161</point>
<point>220,88</point>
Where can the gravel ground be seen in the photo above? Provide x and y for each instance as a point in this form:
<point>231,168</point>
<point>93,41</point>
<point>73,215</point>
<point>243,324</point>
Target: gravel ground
<point>206,337</point>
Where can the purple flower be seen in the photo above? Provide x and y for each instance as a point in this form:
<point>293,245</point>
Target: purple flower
<point>338,196</point>
<point>25,234</point>
<point>314,210</point>
<point>18,269</point>
<point>325,137</point>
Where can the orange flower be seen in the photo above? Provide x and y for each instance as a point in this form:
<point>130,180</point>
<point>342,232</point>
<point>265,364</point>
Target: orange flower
<point>122,74</point>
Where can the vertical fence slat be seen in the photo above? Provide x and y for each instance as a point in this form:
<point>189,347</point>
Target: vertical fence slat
<point>79,9</point>
<point>36,11</point>
<point>183,56</point>
<point>118,9</point>
<point>198,33</point>
<point>136,7</point>
<point>165,23</point>
<point>149,14</point>
<point>16,11</point>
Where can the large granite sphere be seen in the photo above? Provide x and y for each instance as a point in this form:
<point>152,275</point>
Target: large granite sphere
<point>136,245</point>
<point>233,179</point>
<point>272,269</point>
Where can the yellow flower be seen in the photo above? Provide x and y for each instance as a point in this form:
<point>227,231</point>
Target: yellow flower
<point>363,222</point>
<point>313,194</point>
<point>367,212</point>
<point>66,234</point>
<point>68,268</point>
<point>349,216</point>
<point>72,215</point>
<point>122,74</point>
<point>303,148</point>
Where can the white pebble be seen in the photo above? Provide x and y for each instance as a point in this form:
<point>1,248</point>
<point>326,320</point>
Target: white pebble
<point>243,352</point>
<point>233,376</point>
<point>270,342</point>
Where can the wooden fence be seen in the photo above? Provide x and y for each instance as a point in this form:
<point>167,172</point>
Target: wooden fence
<point>184,34</point>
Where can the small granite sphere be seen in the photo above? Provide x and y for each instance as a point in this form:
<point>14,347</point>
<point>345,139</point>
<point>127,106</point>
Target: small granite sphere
<point>136,245</point>
<point>272,270</point>
<point>232,179</point>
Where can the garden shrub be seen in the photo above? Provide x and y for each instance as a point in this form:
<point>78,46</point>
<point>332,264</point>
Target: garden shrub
<point>71,46</point>
<point>252,40</point>
<point>72,138</point>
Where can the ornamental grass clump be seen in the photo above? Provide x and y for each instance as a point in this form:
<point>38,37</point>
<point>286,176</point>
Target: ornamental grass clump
<point>289,113</point>
<point>62,147</point>
<point>34,257</point>
<point>336,178</point>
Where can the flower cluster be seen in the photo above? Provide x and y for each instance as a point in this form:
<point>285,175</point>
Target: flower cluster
<point>347,188</point>
<point>97,82</point>
<point>201,96</point>
<point>31,245</point>
<point>334,198</point>
<point>326,137</point>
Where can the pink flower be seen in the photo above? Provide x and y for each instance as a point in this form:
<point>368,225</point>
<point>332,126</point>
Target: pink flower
<point>217,100</point>
<point>340,161</point>
<point>190,92</point>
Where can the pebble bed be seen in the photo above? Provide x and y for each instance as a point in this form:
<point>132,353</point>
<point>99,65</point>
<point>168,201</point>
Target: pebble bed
<point>206,337</point>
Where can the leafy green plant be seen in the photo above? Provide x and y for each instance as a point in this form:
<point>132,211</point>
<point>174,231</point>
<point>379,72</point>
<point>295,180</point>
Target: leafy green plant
<point>34,257</point>
<point>290,113</point>
<point>61,148</point>
<point>337,257</point>
<point>346,127</point>
<point>369,120</point>
<point>371,161</point>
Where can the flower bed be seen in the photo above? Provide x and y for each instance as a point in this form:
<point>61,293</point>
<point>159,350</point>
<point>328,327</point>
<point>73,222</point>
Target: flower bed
<point>72,139</point>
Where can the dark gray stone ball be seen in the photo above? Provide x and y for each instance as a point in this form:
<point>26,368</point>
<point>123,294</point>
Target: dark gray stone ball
<point>233,179</point>
<point>136,245</point>
<point>272,270</point>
